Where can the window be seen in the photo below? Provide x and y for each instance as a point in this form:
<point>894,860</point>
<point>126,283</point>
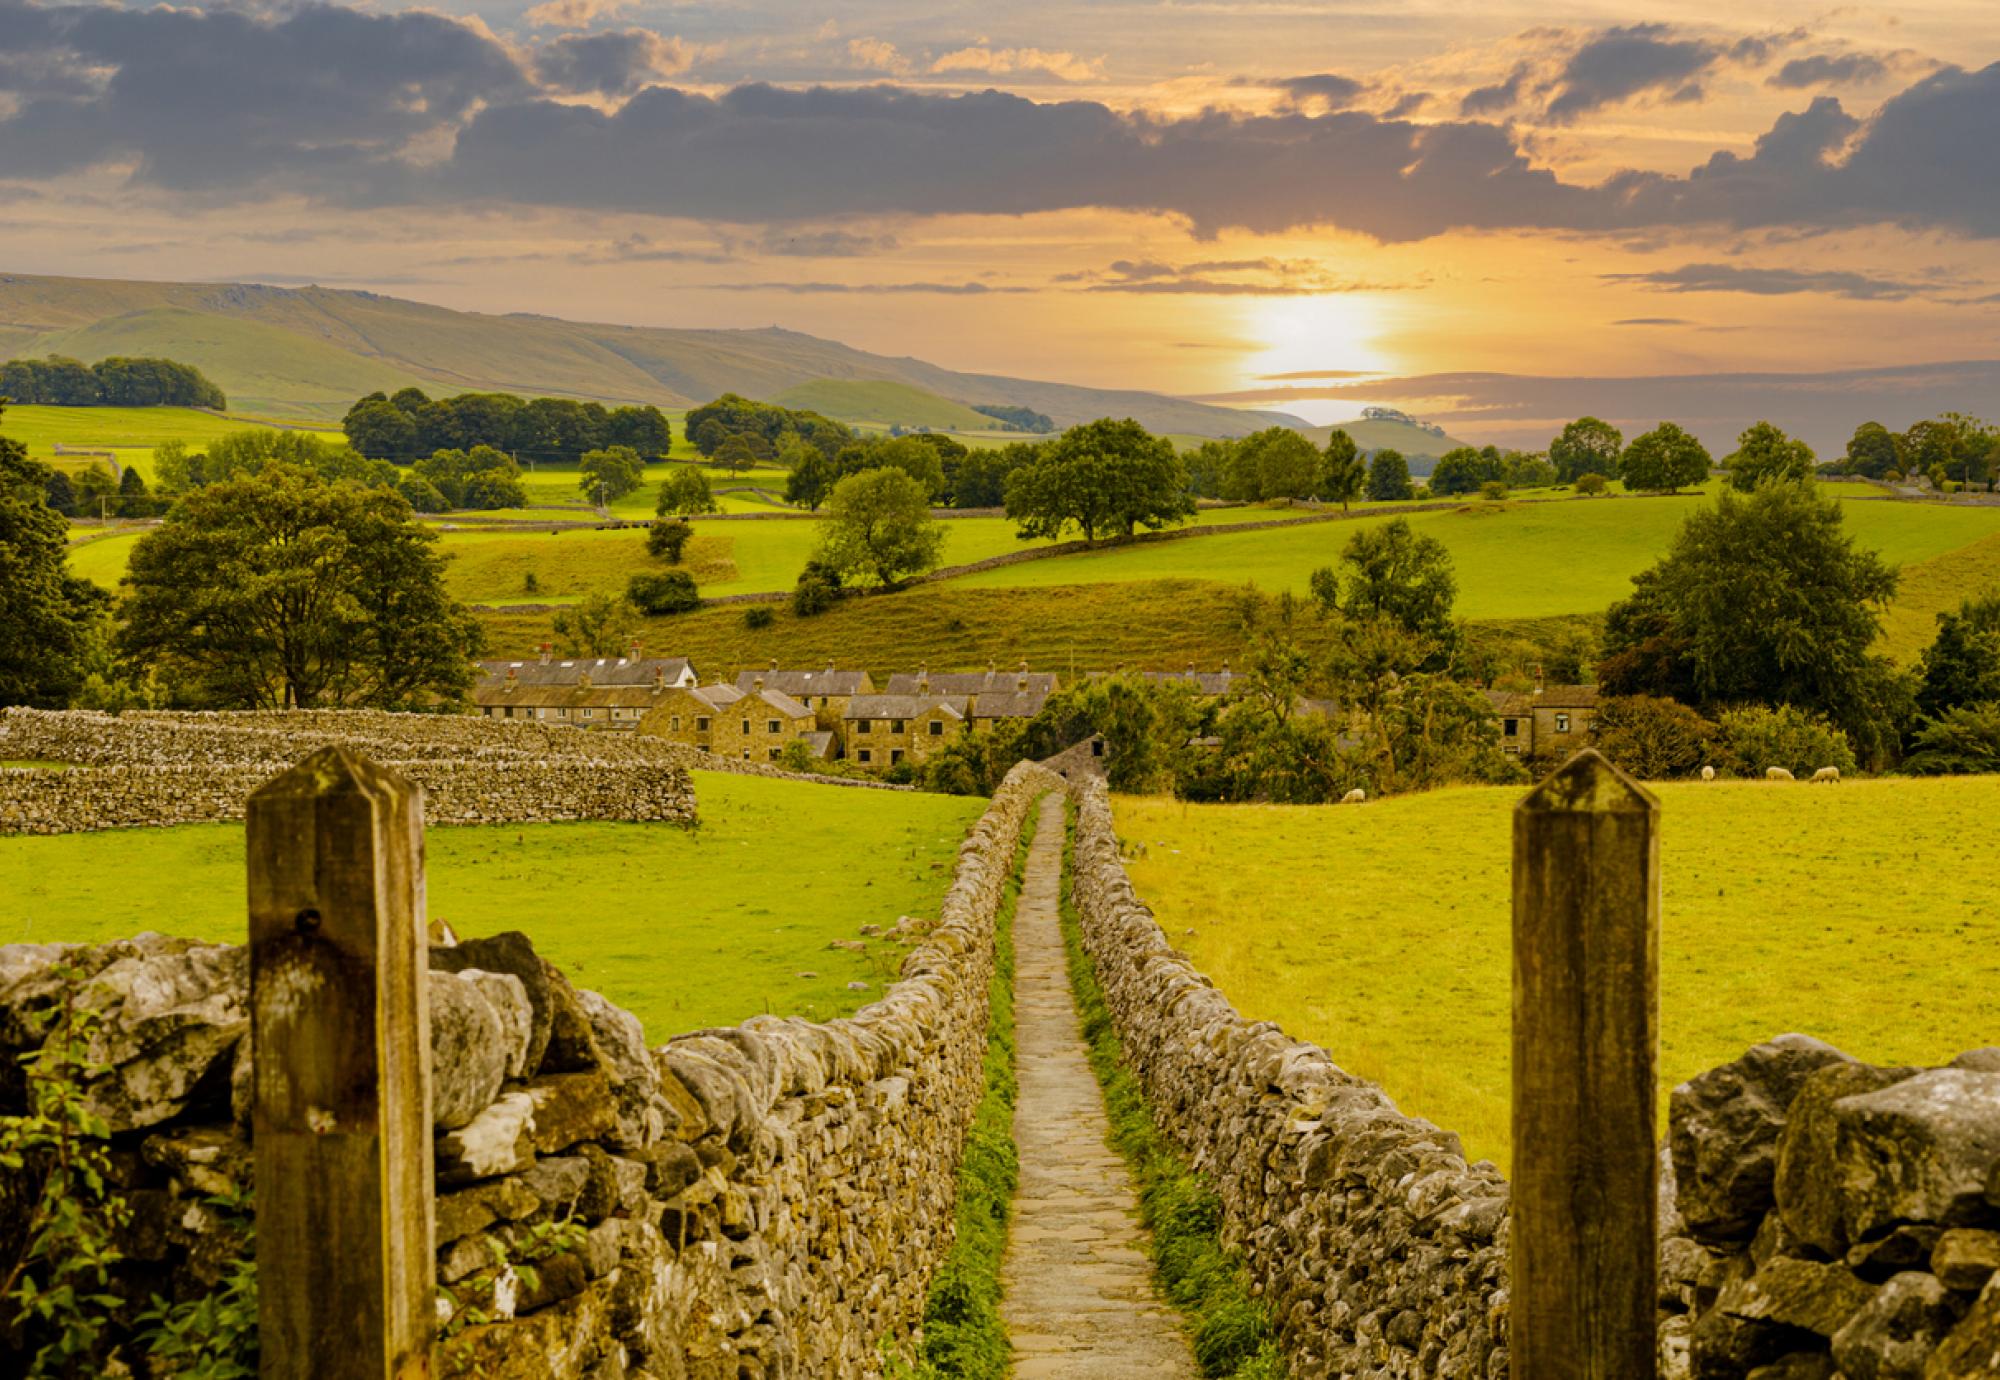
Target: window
<point>937,728</point>
<point>863,727</point>
<point>541,713</point>
<point>1562,723</point>
<point>585,713</point>
<point>1510,727</point>
<point>701,725</point>
<point>675,723</point>
<point>895,756</point>
<point>1096,747</point>
<point>746,728</point>
<point>562,713</point>
<point>866,756</point>
<point>773,754</point>
<point>746,754</point>
<point>896,726</point>
<point>1510,750</point>
<point>772,726</point>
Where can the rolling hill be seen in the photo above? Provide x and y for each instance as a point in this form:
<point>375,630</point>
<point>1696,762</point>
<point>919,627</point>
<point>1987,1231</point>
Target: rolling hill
<point>309,352</point>
<point>1418,446</point>
<point>881,402</point>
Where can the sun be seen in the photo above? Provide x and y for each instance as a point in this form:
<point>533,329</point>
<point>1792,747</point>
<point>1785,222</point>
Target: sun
<point>1323,334</point>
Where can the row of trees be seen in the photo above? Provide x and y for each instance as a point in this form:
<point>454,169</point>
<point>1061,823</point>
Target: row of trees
<point>1952,447</point>
<point>734,426</point>
<point>408,424</point>
<point>119,381</point>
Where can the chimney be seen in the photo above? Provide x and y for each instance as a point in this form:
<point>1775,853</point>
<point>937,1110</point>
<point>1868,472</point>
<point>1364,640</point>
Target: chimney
<point>774,666</point>
<point>1538,678</point>
<point>635,651</point>
<point>1021,681</point>
<point>512,679</point>
<point>546,648</point>
<point>583,680</point>
<point>760,685</point>
<point>659,678</point>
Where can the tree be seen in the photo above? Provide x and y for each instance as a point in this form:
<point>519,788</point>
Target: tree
<point>1396,573</point>
<point>422,495</point>
<point>1389,477</point>
<point>1664,460</point>
<point>59,493</point>
<point>47,616</point>
<point>818,589</point>
<point>667,540</point>
<point>879,527</point>
<point>1591,483</point>
<point>643,429</point>
<point>685,493</point>
<point>1871,451</point>
<point>611,473</point>
<point>1962,740</point>
<point>1654,738</point>
<point>910,454</point>
<point>980,481</point>
<point>381,430</point>
<point>1962,665</point>
<point>596,625</point>
<point>133,500</point>
<point>1587,445</point>
<point>662,592</point>
<point>281,590</point>
<point>1342,473</point>
<point>483,478</point>
<point>96,491</point>
<point>1463,470</point>
<point>1104,476</point>
<point>1758,737</point>
<point>734,455</point>
<point>1763,598</point>
<point>1276,462</point>
<point>1764,452</point>
<point>811,480</point>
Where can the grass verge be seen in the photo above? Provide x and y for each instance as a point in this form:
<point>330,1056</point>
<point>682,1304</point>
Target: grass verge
<point>1230,1328</point>
<point>964,1334</point>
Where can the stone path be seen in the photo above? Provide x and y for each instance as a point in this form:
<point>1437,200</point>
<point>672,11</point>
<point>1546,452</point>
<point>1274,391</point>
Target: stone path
<point>1079,1298</point>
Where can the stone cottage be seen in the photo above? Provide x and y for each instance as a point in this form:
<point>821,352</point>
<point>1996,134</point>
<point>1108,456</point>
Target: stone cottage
<point>883,730</point>
<point>754,726</point>
<point>826,692</point>
<point>1548,721</point>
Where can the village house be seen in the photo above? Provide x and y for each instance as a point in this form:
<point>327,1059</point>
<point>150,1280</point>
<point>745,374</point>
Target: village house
<point>631,669</point>
<point>753,725</point>
<point>1548,721</point>
<point>1207,684</point>
<point>575,697</point>
<point>826,692</point>
<point>884,730</point>
<point>987,682</point>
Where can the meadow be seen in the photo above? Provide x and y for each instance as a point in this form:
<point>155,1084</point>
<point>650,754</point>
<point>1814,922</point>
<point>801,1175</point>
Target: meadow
<point>131,432</point>
<point>1862,914</point>
<point>685,929</point>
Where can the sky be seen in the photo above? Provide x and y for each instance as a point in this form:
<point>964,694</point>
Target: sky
<point>1303,204</point>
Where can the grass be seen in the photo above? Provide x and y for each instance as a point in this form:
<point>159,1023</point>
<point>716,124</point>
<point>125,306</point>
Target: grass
<point>1938,585</point>
<point>685,929</point>
<point>883,402</point>
<point>1230,1329</point>
<point>130,431</point>
<point>1861,914</point>
<point>964,1334</point>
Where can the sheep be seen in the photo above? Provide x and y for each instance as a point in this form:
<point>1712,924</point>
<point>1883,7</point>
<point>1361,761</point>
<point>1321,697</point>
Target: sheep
<point>1708,773</point>
<point>1830,775</point>
<point>1778,774</point>
<point>1354,797</point>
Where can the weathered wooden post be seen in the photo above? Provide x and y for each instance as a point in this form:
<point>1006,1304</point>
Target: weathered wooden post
<point>1586,1037</point>
<point>340,1038</point>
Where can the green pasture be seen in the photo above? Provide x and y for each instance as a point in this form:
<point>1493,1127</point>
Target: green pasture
<point>130,431</point>
<point>1862,914</point>
<point>685,929</point>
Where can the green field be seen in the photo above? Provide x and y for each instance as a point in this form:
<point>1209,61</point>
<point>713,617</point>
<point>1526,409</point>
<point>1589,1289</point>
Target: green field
<point>1863,914</point>
<point>132,432</point>
<point>684,929</point>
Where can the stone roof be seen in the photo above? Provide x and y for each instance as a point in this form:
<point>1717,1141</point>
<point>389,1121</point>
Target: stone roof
<point>489,694</point>
<point>1204,682</point>
<point>720,697</point>
<point>970,682</point>
<point>603,670</point>
<point>829,680</point>
<point>897,706</point>
<point>819,743</point>
<point>1008,704</point>
<point>1547,697</point>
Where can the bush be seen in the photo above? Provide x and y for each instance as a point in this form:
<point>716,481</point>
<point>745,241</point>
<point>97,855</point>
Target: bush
<point>1591,483</point>
<point>1493,490</point>
<point>817,591</point>
<point>671,591</point>
<point>759,616</point>
<point>668,540</point>
<point>1654,738</point>
<point>1757,738</point>
<point>1961,740</point>
<point>421,494</point>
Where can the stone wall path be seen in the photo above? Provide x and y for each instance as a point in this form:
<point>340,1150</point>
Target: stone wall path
<point>1079,1299</point>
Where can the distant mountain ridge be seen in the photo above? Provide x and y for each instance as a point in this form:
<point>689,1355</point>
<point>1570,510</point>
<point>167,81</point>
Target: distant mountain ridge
<point>309,352</point>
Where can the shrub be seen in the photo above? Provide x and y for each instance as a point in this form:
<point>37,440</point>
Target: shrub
<point>668,540</point>
<point>1591,483</point>
<point>1960,740</point>
<point>671,591</point>
<point>759,616</point>
<point>421,494</point>
<point>817,591</point>
<point>1493,490</point>
<point>1757,737</point>
<point>1653,737</point>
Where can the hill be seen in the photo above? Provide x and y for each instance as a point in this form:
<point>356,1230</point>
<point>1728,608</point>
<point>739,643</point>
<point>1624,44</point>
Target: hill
<point>312,351</point>
<point>1419,447</point>
<point>881,402</point>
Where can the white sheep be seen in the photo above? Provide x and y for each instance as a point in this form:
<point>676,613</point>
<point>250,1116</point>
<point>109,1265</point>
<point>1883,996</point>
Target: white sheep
<point>1830,775</point>
<point>1708,773</point>
<point>1778,774</point>
<point>1354,797</point>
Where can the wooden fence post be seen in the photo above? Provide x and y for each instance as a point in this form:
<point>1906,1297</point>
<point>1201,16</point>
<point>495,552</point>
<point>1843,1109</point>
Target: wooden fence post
<point>340,1039</point>
<point>1586,1039</point>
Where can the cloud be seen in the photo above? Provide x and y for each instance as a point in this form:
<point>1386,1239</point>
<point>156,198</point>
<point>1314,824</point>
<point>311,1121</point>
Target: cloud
<point>1621,63</point>
<point>874,55</point>
<point>1001,61</point>
<point>574,14</point>
<point>825,244</point>
<point>1653,321</point>
<point>1829,70</point>
<point>644,249</point>
<point>610,64</point>
<point>1336,92</point>
<point>1220,278</point>
<point>818,288</point>
<point>1772,282</point>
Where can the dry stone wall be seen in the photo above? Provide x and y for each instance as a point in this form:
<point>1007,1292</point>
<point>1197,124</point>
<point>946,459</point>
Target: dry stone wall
<point>1378,1249</point>
<point>768,1199</point>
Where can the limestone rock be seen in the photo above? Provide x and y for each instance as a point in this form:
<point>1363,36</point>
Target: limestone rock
<point>469,1055</point>
<point>1972,1350</point>
<point>558,1182</point>
<point>1908,1247</point>
<point>572,1046</point>
<point>474,1209</point>
<point>569,1107</point>
<point>1724,1134</point>
<point>509,999</point>
<point>500,1140</point>
<point>1985,1060</point>
<point>1798,1293</point>
<point>1893,1337</point>
<point>209,1160</point>
<point>1800,1365</point>
<point>1919,1151</point>
<point>514,953</point>
<point>1965,1259</point>
<point>1807,1183</point>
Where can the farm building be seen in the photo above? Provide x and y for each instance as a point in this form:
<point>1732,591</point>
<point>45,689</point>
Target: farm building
<point>826,692</point>
<point>987,682</point>
<point>883,730</point>
<point>754,725</point>
<point>1547,721</point>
